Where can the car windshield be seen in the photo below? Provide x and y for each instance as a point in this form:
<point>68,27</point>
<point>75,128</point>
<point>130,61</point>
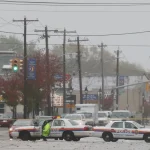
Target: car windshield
<point>101,115</point>
<point>87,115</point>
<point>4,116</point>
<point>120,115</point>
<point>73,123</point>
<point>73,117</point>
<point>23,123</point>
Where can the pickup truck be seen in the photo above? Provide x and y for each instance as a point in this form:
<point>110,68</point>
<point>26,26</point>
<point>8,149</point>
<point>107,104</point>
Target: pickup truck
<point>69,130</point>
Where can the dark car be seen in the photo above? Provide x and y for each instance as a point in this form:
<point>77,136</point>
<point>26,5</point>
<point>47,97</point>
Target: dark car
<point>5,120</point>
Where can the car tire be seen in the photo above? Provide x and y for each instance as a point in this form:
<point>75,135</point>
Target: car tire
<point>114,140</point>
<point>68,136</point>
<point>107,137</point>
<point>25,136</point>
<point>76,139</point>
<point>146,138</point>
<point>56,138</point>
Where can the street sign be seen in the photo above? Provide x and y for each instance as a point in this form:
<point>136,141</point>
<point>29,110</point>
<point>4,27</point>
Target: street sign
<point>121,80</point>
<point>31,70</point>
<point>60,77</point>
<point>70,105</point>
<point>90,97</point>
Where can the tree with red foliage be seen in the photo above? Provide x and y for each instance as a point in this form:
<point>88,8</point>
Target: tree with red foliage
<point>108,102</point>
<point>13,84</point>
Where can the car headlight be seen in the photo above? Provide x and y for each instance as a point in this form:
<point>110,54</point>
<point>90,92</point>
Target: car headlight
<point>11,129</point>
<point>4,120</point>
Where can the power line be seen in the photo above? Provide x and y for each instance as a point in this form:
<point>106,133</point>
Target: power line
<point>76,11</point>
<point>73,3</point>
<point>112,34</point>
<point>89,45</point>
<point>64,5</point>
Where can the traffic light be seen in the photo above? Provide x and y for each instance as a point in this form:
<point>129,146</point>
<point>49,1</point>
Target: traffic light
<point>20,64</point>
<point>15,64</point>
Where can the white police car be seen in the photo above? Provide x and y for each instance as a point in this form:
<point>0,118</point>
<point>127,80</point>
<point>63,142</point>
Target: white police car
<point>66,129</point>
<point>115,130</point>
<point>69,130</point>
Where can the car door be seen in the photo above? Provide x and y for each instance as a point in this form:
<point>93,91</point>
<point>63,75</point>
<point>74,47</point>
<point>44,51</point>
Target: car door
<point>117,129</point>
<point>55,128</point>
<point>131,131</point>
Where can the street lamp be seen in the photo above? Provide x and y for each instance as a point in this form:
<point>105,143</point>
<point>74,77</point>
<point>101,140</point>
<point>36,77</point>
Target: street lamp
<point>99,98</point>
<point>86,92</point>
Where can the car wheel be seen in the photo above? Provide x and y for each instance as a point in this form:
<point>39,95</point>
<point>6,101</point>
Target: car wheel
<point>114,140</point>
<point>107,137</point>
<point>76,139</point>
<point>147,138</point>
<point>25,136</point>
<point>68,136</point>
<point>56,138</point>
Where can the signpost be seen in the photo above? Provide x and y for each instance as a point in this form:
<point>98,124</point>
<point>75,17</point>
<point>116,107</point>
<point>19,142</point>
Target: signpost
<point>70,101</point>
<point>31,70</point>
<point>121,82</point>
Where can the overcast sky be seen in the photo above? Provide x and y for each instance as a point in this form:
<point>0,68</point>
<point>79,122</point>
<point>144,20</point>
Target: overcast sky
<point>104,20</point>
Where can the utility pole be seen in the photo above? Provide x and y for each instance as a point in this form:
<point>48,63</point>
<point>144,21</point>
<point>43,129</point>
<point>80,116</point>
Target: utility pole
<point>102,71</point>
<point>25,62</point>
<point>64,72</point>
<point>117,79</point>
<point>64,67</point>
<point>49,110</point>
<point>79,65</point>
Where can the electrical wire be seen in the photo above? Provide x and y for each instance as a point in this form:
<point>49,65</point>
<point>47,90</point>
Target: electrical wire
<point>73,3</point>
<point>75,11</point>
<point>112,34</point>
<point>64,5</point>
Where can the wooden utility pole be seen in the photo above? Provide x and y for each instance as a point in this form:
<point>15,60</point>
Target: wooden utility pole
<point>49,110</point>
<point>117,79</point>
<point>25,62</point>
<point>102,72</point>
<point>64,67</point>
<point>79,65</point>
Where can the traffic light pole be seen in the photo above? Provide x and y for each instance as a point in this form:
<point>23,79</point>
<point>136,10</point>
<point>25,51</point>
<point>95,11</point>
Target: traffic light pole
<point>25,63</point>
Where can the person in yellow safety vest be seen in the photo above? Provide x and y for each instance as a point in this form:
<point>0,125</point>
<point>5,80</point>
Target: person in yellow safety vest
<point>46,129</point>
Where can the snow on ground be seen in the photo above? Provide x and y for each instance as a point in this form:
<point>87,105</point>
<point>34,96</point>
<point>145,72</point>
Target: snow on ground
<point>85,144</point>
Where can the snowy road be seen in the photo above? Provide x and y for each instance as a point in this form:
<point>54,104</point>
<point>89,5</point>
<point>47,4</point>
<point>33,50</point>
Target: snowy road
<point>84,144</point>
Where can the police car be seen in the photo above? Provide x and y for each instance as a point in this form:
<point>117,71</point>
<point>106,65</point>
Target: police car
<point>69,130</point>
<point>115,130</point>
<point>66,129</point>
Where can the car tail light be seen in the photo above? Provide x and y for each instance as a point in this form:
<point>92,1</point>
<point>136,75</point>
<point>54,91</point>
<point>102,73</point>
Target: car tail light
<point>54,117</point>
<point>86,128</point>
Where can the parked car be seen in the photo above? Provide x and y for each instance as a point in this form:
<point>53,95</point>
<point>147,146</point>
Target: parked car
<point>79,118</point>
<point>121,114</point>
<point>5,120</point>
<point>103,118</point>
